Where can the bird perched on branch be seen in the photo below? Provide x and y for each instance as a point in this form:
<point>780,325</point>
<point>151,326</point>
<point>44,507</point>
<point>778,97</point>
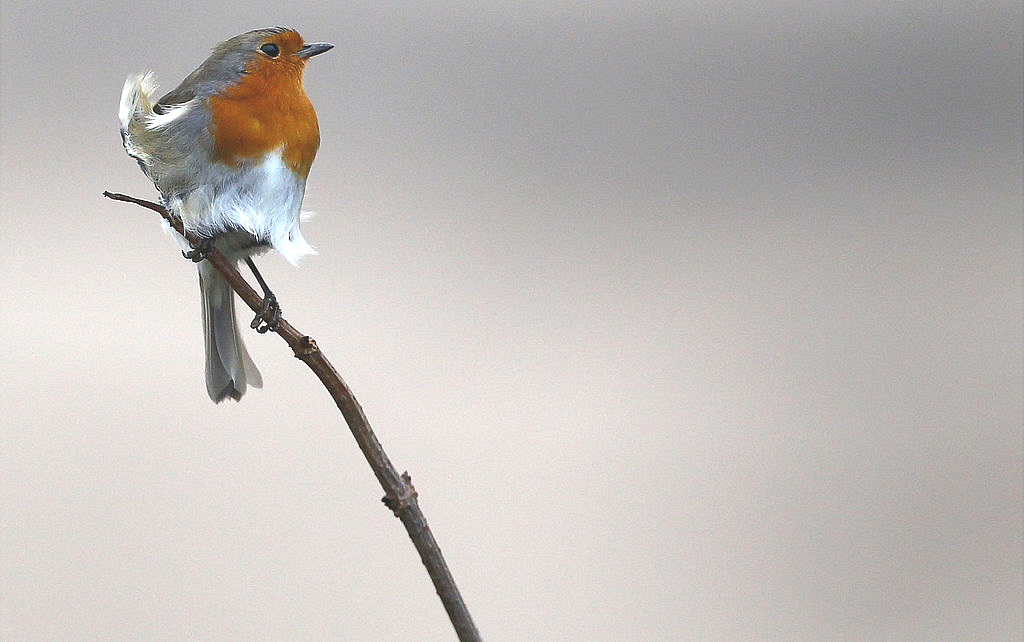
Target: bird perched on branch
<point>229,150</point>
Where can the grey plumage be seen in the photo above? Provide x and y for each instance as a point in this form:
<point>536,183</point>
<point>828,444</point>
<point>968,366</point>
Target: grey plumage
<point>229,368</point>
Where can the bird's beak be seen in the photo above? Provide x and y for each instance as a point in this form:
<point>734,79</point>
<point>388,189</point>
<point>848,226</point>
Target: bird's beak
<point>313,48</point>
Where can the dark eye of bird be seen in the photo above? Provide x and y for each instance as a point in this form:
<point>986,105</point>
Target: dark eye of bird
<point>271,50</point>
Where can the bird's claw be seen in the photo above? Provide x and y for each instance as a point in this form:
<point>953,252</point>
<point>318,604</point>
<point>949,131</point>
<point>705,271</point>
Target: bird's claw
<point>269,316</point>
<point>199,252</point>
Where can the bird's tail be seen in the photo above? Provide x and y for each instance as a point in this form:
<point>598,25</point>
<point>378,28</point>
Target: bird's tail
<point>229,368</point>
<point>135,111</point>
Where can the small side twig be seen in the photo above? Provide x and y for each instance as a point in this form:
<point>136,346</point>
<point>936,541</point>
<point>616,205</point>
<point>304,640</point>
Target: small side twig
<point>399,494</point>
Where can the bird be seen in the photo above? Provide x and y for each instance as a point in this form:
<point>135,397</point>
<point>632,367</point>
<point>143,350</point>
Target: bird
<point>229,150</point>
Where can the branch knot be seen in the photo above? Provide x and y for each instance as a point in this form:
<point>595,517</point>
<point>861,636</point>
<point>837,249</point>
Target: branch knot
<point>403,501</point>
<point>306,347</point>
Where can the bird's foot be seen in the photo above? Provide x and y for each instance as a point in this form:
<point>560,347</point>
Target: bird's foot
<point>269,316</point>
<point>199,252</point>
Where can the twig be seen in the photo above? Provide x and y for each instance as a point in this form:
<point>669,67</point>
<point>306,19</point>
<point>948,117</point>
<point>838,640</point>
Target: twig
<point>399,494</point>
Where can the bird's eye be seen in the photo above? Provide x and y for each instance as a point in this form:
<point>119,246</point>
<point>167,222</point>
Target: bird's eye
<point>271,50</point>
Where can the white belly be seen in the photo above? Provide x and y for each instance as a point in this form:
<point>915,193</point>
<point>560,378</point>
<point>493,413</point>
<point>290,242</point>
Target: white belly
<point>263,199</point>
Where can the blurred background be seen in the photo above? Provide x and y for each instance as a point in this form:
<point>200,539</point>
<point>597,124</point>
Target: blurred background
<point>689,320</point>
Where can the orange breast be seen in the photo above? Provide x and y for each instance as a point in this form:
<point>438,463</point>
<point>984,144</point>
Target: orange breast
<point>266,110</point>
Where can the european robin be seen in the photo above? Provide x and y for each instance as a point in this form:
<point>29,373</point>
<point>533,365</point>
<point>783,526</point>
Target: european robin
<point>229,151</point>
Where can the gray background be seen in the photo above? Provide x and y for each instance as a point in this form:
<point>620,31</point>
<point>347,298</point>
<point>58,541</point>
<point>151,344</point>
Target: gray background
<point>690,320</point>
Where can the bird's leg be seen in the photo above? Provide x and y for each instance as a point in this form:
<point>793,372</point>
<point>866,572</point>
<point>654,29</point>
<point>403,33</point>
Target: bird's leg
<point>269,316</point>
<point>201,251</point>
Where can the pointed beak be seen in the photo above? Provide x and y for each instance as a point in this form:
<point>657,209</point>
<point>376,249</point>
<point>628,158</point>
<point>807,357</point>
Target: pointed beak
<point>313,49</point>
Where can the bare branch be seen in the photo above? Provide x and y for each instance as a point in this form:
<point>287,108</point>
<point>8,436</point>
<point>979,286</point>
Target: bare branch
<point>399,494</point>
